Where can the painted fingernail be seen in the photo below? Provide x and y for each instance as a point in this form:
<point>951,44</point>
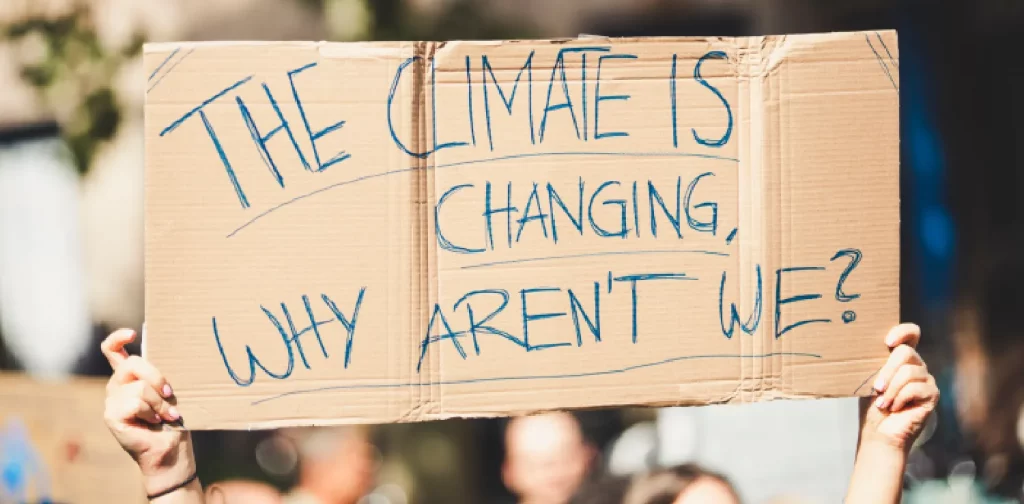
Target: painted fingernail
<point>880,402</point>
<point>173,413</point>
<point>880,385</point>
<point>890,339</point>
<point>167,390</point>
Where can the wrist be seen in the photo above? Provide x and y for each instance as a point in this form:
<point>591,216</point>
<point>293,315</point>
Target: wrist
<point>192,493</point>
<point>183,491</point>
<point>880,443</point>
<point>884,454</point>
<point>168,468</point>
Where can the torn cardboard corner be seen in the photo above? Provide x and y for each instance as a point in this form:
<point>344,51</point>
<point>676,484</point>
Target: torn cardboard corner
<point>359,233</point>
<point>54,446</point>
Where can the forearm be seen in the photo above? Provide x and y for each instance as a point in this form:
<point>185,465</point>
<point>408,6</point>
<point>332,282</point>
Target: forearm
<point>877,474</point>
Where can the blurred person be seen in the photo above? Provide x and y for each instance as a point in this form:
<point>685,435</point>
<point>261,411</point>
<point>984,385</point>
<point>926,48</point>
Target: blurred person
<point>989,345</point>
<point>141,415</point>
<point>667,485</point>
<point>336,465</point>
<point>684,484</point>
<point>546,458</point>
<point>242,492</point>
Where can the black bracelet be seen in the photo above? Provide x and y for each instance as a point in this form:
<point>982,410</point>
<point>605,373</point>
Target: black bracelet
<point>174,488</point>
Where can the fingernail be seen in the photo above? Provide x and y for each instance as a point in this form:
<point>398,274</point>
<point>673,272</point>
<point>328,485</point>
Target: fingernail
<point>890,339</point>
<point>173,412</point>
<point>880,385</point>
<point>880,403</point>
<point>168,392</point>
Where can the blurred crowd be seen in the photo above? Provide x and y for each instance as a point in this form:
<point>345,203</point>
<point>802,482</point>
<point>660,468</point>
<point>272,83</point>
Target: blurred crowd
<point>71,165</point>
<point>547,461</point>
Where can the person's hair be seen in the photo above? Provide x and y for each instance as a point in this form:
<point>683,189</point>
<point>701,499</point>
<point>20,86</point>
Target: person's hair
<point>664,486</point>
<point>316,442</point>
<point>606,490</point>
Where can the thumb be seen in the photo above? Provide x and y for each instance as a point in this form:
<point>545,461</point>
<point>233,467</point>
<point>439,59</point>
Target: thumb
<point>113,346</point>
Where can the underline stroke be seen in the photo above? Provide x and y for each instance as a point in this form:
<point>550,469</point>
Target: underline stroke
<point>594,254</point>
<point>470,162</point>
<point>616,371</point>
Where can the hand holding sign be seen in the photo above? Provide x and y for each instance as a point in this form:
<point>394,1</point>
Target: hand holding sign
<point>907,392</point>
<point>907,396</point>
<point>138,403</point>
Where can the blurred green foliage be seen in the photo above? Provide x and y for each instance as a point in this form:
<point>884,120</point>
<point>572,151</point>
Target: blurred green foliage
<point>73,65</point>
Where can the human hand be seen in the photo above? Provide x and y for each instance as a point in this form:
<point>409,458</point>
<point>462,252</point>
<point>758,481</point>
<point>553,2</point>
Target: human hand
<point>138,404</point>
<point>907,393</point>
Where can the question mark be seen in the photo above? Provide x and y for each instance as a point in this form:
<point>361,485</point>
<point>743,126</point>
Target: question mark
<point>855,256</point>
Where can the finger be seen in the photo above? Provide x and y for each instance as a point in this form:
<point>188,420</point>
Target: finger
<point>903,334</point>
<point>901,355</point>
<point>136,368</point>
<point>906,374</point>
<point>127,410</point>
<point>142,390</point>
<point>113,346</point>
<point>919,392</point>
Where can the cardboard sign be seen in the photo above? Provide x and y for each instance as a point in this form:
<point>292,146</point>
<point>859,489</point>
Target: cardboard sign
<point>383,232</point>
<point>54,446</point>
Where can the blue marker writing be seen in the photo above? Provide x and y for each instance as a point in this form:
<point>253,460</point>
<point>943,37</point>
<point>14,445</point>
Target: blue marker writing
<point>481,326</point>
<point>697,77</point>
<point>755,312</point>
<point>710,226</point>
<point>558,70</point>
<point>486,69</point>
<point>528,317</point>
<point>314,136</point>
<point>673,218</point>
<point>489,210</point>
<point>442,241</point>
<point>779,300</point>
<point>349,325</point>
<point>577,221</point>
<point>213,135</point>
<point>261,140</point>
<point>433,108</point>
<point>633,279</point>
<point>598,98</point>
<point>448,334</point>
<point>539,216</point>
<point>291,339</point>
<point>577,311</point>
<point>621,203</point>
<point>391,99</point>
